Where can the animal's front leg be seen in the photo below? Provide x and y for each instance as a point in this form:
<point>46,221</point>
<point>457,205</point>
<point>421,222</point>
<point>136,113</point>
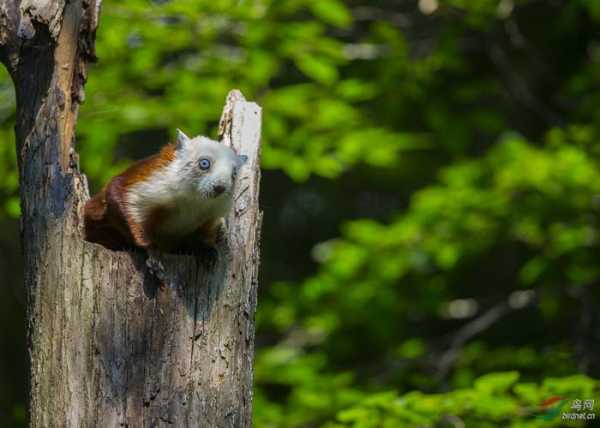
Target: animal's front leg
<point>155,265</point>
<point>122,219</point>
<point>212,232</point>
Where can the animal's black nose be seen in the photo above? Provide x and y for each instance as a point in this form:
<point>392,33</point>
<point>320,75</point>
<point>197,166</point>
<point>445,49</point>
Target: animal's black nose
<point>218,189</point>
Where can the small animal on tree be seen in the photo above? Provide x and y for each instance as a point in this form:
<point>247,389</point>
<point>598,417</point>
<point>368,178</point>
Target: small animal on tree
<point>172,201</point>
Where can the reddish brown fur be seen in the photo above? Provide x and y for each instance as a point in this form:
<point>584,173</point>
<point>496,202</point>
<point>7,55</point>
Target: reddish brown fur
<point>106,219</point>
<point>98,227</point>
<point>153,222</point>
<point>209,232</point>
<point>143,168</point>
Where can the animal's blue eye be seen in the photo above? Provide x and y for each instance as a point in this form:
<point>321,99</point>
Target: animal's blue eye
<point>204,164</point>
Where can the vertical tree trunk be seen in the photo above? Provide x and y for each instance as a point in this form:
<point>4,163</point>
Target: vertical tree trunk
<point>110,345</point>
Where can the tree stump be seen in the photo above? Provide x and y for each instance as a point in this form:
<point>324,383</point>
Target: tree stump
<point>109,343</point>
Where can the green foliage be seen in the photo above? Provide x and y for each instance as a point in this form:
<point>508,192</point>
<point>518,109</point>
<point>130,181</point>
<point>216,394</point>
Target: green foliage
<point>315,125</point>
<point>9,180</point>
<point>537,199</point>
<point>494,400</point>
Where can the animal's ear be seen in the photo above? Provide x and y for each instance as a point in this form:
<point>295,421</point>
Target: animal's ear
<point>241,160</point>
<point>182,139</point>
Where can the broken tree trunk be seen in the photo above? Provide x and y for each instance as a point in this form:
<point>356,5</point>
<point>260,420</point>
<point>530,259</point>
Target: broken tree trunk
<point>109,344</point>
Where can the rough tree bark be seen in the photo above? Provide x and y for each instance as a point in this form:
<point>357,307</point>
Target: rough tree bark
<point>110,345</point>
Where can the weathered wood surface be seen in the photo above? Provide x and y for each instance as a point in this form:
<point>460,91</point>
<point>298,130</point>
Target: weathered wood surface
<point>111,345</point>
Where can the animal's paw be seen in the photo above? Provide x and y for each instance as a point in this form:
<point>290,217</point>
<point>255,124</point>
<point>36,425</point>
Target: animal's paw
<point>221,232</point>
<point>213,233</point>
<point>155,266</point>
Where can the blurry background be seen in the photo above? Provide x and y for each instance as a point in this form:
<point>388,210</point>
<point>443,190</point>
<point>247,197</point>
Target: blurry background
<point>431,189</point>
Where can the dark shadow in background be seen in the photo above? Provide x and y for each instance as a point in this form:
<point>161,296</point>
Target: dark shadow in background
<point>13,355</point>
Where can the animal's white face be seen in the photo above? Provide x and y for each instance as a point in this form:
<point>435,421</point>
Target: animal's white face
<point>210,168</point>
<point>196,187</point>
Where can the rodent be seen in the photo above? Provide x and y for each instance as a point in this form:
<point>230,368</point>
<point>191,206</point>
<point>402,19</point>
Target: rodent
<point>170,201</point>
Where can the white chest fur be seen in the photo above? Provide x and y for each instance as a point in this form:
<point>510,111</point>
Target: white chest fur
<point>185,206</point>
<point>187,215</point>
